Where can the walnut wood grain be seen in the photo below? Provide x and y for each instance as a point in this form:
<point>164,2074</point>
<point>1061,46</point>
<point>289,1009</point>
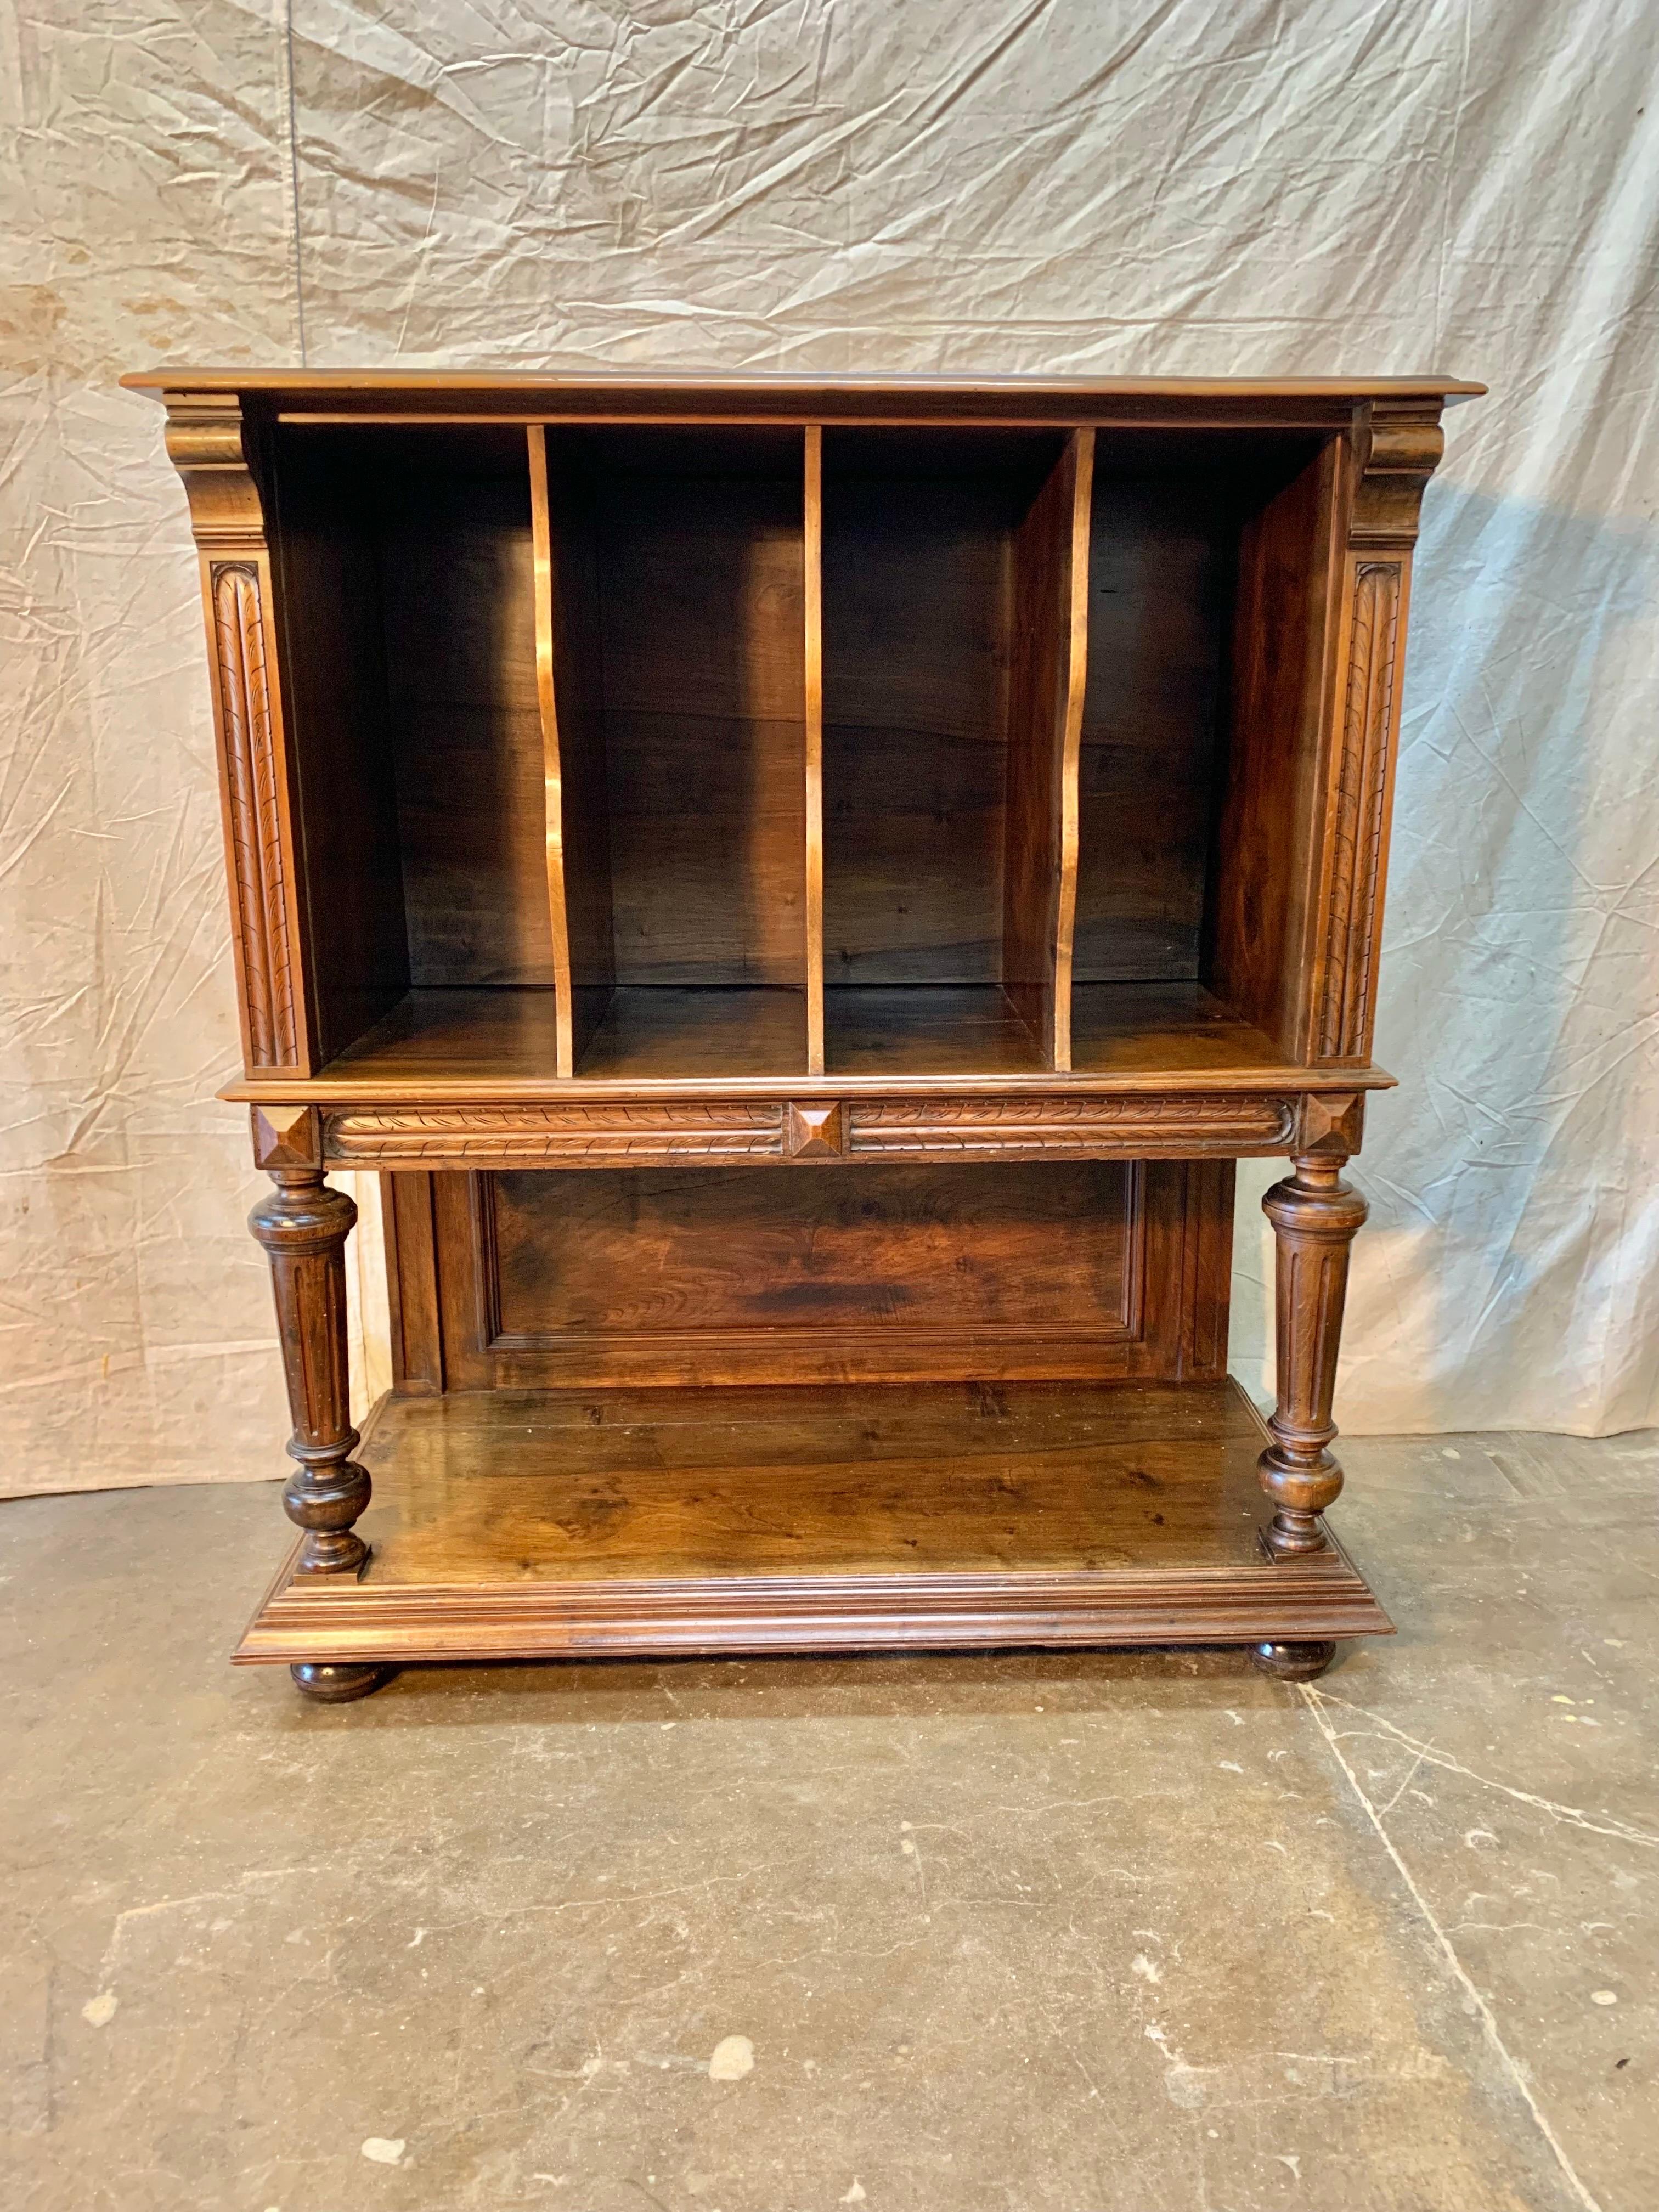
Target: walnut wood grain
<point>822,1519</point>
<point>552,769</point>
<point>813,754</point>
<point>555,1136</point>
<point>1061,1128</point>
<point>1359,814</point>
<point>813,1132</point>
<point>1045,723</point>
<point>706,783</point>
<point>1314,1216</point>
<point>884,1270</point>
<point>208,444</point>
<point>303,1226</point>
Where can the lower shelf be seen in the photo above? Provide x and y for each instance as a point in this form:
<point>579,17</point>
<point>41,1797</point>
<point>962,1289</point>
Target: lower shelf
<point>520,1525</point>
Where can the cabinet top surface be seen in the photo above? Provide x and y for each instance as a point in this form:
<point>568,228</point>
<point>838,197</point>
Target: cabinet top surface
<point>297,386</point>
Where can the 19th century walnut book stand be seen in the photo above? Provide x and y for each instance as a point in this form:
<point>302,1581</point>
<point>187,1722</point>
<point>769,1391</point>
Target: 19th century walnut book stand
<point>803,890</point>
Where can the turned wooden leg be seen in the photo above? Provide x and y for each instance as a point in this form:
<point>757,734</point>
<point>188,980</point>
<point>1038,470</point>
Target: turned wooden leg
<point>338,1686</point>
<point>303,1226</point>
<point>1292,1662</point>
<point>1314,1215</point>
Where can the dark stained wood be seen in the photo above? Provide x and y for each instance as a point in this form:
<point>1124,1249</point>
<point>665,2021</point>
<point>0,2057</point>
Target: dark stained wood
<point>662,1032</point>
<point>902,841</point>
<point>812,679</point>
<point>824,1519</point>
<point>702,639</point>
<point>575,807</point>
<point>303,1225</point>
<point>459,597</point>
<point>339,1685</point>
<point>417,1323</point>
<point>326,542</point>
<point>1261,924</point>
<point>448,1044</point>
<point>1292,1662</point>
<point>1045,720</point>
<point>918,618</point>
<point>211,445</point>
<point>1120,1028</point>
<point>1314,1215</point>
<point>437,396</point>
<point>1161,555</point>
<point>946,1030</point>
<point>857,1268</point>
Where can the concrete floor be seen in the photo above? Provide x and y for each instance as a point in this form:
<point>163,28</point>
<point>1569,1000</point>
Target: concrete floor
<point>1096,1933</point>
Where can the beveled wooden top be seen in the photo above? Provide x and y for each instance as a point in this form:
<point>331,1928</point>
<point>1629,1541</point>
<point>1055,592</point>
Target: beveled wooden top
<point>519,395</point>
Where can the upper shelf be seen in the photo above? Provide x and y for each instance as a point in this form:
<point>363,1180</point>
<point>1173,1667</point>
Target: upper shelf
<point>861,729</point>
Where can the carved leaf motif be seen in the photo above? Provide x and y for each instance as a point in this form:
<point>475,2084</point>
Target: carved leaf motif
<point>1067,1125</point>
<point>594,1136</point>
<point>255,817</point>
<point>1362,787</point>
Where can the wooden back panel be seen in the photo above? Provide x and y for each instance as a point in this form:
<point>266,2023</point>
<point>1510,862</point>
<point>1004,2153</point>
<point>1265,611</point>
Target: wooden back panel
<point>458,571</point>
<point>919,621</point>
<point>873,1271</point>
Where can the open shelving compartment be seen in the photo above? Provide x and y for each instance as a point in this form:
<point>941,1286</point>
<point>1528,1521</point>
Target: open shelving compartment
<point>727,751</point>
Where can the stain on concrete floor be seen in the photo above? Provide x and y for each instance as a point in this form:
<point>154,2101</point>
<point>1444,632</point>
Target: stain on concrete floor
<point>1098,1933</point>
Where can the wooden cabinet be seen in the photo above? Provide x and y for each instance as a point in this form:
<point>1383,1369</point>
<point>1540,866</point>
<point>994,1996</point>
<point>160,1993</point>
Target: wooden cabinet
<point>803,890</point>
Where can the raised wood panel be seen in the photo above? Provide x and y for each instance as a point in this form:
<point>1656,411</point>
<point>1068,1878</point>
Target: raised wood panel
<point>881,1270</point>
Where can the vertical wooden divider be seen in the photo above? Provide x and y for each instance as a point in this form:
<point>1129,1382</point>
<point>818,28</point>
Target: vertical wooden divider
<point>552,775</point>
<point>576,812</point>
<point>812,548</point>
<point>1045,727</point>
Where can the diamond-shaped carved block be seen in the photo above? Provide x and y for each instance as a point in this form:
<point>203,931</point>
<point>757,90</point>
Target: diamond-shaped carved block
<point>1330,1122</point>
<point>286,1137</point>
<point>814,1132</point>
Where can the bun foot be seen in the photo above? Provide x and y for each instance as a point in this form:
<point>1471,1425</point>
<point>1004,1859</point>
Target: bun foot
<point>1289,1662</point>
<point>338,1686</point>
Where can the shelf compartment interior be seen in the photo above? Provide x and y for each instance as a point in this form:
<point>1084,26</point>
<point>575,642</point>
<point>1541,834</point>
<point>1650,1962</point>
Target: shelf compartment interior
<point>674,716</point>
<point>773,750</point>
<point>941,602</point>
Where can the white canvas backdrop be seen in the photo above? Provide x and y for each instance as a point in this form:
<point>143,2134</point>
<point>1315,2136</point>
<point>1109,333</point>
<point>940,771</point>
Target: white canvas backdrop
<point>1280,186</point>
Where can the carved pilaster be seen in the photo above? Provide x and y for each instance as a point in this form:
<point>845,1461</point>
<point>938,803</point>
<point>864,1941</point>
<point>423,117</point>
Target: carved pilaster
<point>1396,448</point>
<point>207,442</point>
<point>1358,826</point>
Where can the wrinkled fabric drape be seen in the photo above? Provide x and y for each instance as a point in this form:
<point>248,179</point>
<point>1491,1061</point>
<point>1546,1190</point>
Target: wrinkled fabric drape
<point>1172,186</point>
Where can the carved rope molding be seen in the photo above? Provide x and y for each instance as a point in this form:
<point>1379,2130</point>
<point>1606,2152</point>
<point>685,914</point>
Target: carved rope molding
<point>256,835</point>
<point>1344,1021</point>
